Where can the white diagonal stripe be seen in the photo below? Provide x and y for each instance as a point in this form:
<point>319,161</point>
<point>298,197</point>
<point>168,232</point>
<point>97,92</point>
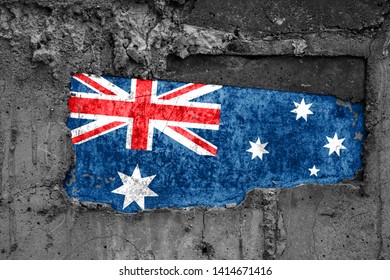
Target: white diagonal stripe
<point>164,128</point>
<point>92,126</point>
<point>188,96</point>
<point>105,83</point>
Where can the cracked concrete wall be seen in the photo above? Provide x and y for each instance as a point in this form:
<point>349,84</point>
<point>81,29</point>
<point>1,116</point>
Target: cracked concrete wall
<point>344,52</point>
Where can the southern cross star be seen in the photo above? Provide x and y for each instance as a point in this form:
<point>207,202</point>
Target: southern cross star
<point>302,109</point>
<point>257,149</point>
<point>314,170</point>
<point>135,188</point>
<point>335,144</point>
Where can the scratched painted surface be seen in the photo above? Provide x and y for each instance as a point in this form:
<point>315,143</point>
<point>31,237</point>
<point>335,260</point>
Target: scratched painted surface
<point>146,145</point>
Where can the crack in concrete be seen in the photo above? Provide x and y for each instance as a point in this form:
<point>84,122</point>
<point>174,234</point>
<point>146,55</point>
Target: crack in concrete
<point>12,182</point>
<point>314,225</point>
<point>2,142</point>
<point>34,155</point>
<point>45,142</point>
<point>270,220</point>
<point>381,94</point>
<point>59,225</point>
<point>72,215</point>
<point>282,235</point>
<point>240,245</point>
<point>204,222</point>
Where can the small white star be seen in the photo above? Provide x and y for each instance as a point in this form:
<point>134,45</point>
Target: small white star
<point>257,149</point>
<point>335,144</point>
<point>358,136</point>
<point>314,171</point>
<point>302,109</point>
<point>135,188</point>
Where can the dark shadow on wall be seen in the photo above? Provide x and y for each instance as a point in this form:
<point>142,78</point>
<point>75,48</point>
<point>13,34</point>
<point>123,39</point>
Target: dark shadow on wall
<point>342,76</point>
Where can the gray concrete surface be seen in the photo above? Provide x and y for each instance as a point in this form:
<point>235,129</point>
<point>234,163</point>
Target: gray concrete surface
<point>344,51</point>
<point>259,18</point>
<point>343,77</point>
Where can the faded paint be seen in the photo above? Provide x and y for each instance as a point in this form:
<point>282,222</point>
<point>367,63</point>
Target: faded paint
<point>253,139</point>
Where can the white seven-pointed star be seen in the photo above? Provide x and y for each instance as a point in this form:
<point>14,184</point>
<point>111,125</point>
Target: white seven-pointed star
<point>314,171</point>
<point>335,144</point>
<point>135,188</point>
<point>302,109</point>
<point>257,149</point>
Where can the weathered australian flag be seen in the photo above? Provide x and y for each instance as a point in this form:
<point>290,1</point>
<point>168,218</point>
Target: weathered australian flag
<point>144,144</point>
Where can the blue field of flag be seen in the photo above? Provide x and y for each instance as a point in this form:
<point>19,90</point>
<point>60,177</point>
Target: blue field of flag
<point>146,145</point>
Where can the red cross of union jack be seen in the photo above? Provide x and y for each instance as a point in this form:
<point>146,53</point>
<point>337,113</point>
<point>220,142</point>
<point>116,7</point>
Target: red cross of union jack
<point>142,111</point>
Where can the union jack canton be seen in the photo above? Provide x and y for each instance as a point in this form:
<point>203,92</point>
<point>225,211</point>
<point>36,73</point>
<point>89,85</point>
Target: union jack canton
<point>142,111</point>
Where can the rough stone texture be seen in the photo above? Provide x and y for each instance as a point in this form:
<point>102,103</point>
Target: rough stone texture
<point>43,42</point>
<point>343,77</point>
<point>377,159</point>
<point>270,17</point>
<point>329,222</point>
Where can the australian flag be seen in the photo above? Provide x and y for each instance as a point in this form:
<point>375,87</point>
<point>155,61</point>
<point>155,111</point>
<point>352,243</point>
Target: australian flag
<point>143,144</point>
